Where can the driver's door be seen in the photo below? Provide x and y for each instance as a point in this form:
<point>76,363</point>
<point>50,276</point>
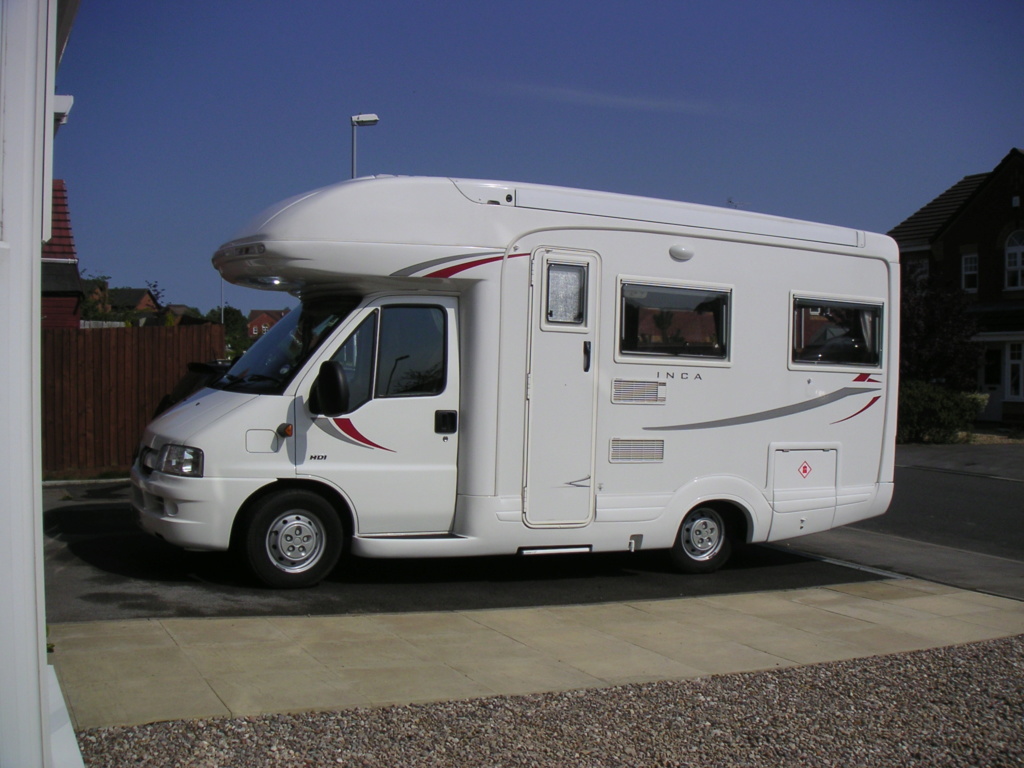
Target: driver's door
<point>394,453</point>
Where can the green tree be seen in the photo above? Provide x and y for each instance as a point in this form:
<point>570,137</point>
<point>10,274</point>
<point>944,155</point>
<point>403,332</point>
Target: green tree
<point>938,364</point>
<point>935,337</point>
<point>236,330</point>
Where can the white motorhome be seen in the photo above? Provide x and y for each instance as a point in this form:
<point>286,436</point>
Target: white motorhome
<point>487,368</point>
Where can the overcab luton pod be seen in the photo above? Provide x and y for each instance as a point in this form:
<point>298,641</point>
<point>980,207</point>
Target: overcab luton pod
<point>485,368</point>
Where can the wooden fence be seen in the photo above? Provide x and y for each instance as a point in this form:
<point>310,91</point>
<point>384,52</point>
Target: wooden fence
<point>101,386</point>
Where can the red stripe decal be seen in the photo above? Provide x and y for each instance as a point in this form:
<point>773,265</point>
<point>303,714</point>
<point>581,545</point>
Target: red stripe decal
<point>454,270</point>
<point>874,400</point>
<point>869,377</point>
<point>346,426</point>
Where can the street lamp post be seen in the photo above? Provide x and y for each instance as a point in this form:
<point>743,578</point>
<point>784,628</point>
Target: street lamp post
<point>357,120</point>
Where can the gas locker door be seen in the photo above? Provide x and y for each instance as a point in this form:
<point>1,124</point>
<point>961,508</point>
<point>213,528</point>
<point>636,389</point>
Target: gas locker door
<point>558,486</point>
<point>803,490</point>
<point>394,454</point>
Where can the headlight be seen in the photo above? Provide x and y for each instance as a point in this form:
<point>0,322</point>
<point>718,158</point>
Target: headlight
<point>181,460</point>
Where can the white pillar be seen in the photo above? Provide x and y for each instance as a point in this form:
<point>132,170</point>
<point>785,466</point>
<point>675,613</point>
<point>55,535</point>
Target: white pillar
<point>25,71</point>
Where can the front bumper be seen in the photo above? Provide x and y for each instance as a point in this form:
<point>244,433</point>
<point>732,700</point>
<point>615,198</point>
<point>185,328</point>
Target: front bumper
<point>189,512</point>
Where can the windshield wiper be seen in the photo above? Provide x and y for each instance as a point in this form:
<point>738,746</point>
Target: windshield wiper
<point>251,378</point>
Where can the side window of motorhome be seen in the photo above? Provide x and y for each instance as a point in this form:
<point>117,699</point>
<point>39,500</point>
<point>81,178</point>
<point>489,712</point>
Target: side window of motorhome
<point>411,356</point>
<point>674,320</point>
<point>836,332</point>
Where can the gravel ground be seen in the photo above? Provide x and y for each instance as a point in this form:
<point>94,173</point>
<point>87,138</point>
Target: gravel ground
<point>957,706</point>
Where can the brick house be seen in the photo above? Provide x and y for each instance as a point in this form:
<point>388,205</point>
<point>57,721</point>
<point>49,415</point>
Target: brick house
<point>972,237</point>
<point>262,320</point>
<point>61,282</point>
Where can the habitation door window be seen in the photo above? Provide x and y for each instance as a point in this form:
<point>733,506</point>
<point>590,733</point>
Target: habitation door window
<point>969,272</point>
<point>1015,260</point>
<point>827,332</point>
<point>567,293</point>
<point>674,321</point>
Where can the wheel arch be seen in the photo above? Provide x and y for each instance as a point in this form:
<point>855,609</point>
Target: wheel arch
<point>335,499</point>
<point>744,507</point>
<point>738,519</point>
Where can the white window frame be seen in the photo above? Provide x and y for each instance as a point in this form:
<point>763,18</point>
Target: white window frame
<point>858,302</point>
<point>1015,366</point>
<point>1014,273</point>
<point>693,361</point>
<point>969,272</point>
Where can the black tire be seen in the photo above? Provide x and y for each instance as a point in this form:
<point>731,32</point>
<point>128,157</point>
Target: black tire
<point>703,543</point>
<point>292,539</point>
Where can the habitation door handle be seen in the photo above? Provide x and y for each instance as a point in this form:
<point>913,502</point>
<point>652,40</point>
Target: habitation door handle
<point>586,357</point>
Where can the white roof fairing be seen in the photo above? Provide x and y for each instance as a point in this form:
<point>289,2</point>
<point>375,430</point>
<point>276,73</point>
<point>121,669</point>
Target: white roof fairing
<point>373,229</point>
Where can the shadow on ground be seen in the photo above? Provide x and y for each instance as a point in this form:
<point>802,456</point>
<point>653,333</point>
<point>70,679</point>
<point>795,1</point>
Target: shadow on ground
<point>101,566</point>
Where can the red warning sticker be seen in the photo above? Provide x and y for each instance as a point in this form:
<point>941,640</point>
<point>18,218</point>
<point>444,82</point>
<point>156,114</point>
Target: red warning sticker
<point>804,470</point>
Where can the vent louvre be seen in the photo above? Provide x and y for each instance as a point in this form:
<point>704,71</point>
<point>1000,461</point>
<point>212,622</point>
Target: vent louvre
<point>638,392</point>
<point>636,451</point>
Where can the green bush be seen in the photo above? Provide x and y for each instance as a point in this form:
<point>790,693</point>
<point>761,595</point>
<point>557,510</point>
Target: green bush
<point>929,413</point>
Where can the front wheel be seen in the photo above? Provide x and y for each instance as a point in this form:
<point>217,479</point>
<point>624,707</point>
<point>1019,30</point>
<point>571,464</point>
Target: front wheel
<point>703,544</point>
<point>292,539</point>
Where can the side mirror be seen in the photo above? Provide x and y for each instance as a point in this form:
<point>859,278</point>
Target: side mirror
<point>330,390</point>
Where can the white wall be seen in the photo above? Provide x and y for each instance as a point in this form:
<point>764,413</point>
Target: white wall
<point>25,136</point>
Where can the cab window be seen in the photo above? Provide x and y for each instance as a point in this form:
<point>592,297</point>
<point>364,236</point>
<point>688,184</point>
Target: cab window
<point>411,356</point>
<point>397,351</point>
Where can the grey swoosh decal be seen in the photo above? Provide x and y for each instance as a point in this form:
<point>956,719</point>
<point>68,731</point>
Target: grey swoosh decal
<point>774,413</point>
<point>425,265</point>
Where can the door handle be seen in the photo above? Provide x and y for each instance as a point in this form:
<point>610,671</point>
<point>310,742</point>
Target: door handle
<point>586,357</point>
<point>446,422</point>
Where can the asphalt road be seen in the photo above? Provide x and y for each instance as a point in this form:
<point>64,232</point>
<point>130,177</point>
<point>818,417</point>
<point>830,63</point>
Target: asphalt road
<point>947,526</point>
<point>963,511</point>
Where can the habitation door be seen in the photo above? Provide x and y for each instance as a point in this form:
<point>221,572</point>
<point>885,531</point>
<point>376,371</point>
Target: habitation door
<point>558,486</point>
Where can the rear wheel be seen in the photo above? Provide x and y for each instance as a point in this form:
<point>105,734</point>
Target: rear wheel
<point>292,539</point>
<point>703,544</point>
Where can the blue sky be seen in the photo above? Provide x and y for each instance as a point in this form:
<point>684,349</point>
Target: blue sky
<point>191,116</point>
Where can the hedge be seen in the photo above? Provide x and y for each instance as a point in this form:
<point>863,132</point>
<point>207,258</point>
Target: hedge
<point>929,413</point>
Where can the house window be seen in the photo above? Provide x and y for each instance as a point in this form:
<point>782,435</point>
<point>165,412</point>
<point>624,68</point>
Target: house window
<point>674,321</point>
<point>1015,260</point>
<point>1015,369</point>
<point>969,272</point>
<point>827,332</point>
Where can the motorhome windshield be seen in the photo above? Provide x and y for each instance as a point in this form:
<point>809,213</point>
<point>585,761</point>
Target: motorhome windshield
<point>272,362</point>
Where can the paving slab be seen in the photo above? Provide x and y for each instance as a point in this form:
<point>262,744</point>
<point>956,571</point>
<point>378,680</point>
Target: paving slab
<point>132,672</point>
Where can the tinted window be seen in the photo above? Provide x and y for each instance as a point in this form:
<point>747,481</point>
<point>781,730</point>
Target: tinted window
<point>411,357</point>
<point>833,332</point>
<point>666,320</point>
<point>357,357</point>
<point>281,352</point>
